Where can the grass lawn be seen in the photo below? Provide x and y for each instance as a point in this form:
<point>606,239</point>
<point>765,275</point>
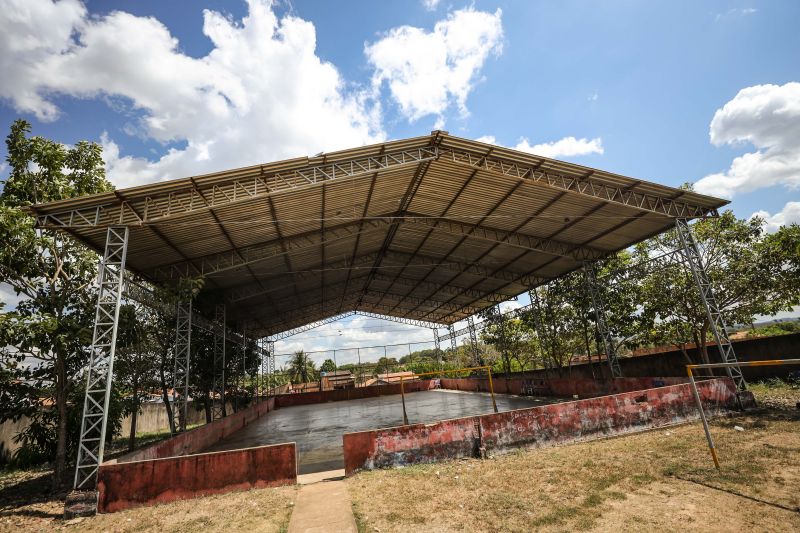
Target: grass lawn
<point>658,480</point>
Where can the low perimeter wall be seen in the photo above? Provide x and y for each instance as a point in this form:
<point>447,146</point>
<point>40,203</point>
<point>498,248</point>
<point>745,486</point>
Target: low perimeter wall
<point>200,438</point>
<point>339,395</point>
<point>124,485</point>
<point>564,387</point>
<point>173,469</point>
<point>533,427</point>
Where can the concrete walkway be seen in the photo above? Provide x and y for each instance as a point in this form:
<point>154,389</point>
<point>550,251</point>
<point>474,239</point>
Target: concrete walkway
<point>323,504</point>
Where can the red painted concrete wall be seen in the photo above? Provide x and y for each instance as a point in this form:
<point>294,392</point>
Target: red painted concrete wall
<point>565,387</point>
<point>131,484</point>
<point>533,427</point>
<point>338,395</point>
<point>200,438</point>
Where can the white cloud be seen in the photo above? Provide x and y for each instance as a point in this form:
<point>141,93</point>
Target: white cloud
<point>790,214</point>
<point>566,147</point>
<point>429,71</point>
<point>736,11</point>
<point>261,94</point>
<point>31,33</point>
<point>767,117</point>
<point>353,332</point>
<point>431,5</point>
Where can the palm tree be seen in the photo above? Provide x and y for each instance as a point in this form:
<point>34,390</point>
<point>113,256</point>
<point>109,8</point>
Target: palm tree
<point>301,368</point>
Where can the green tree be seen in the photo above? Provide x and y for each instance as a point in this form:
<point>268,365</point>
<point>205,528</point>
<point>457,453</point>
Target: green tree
<point>752,274</point>
<point>301,368</point>
<point>327,366</point>
<point>136,361</point>
<point>48,335</point>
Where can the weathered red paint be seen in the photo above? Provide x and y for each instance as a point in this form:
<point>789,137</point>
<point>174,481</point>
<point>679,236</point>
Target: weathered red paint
<point>200,438</point>
<point>534,427</point>
<point>358,393</point>
<point>565,387</point>
<point>132,484</point>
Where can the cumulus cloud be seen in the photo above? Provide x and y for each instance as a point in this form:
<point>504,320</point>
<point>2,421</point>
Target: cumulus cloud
<point>427,72</point>
<point>790,214</point>
<point>566,147</point>
<point>768,118</point>
<point>431,5</point>
<point>31,34</point>
<point>260,94</point>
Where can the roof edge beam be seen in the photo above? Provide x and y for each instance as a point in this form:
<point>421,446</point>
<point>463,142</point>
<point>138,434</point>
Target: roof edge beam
<point>583,186</point>
<point>255,184</point>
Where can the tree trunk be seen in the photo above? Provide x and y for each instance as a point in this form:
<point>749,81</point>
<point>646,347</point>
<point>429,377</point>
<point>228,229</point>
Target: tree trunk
<point>207,403</point>
<point>134,415</point>
<point>165,397</point>
<point>588,347</point>
<point>61,406</point>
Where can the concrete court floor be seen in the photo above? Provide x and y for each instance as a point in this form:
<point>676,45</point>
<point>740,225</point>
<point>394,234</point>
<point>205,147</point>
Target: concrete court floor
<point>317,429</point>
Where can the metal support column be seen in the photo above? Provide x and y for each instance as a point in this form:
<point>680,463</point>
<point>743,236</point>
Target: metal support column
<point>218,388</point>
<point>473,340</point>
<point>590,279</point>
<point>504,352</point>
<point>100,371</point>
<point>183,349</point>
<point>451,329</point>
<point>536,308</point>
<point>244,360</point>
<point>692,257</point>
<point>271,384</point>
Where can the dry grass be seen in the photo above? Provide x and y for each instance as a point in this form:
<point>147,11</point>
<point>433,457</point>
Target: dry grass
<point>659,480</point>
<point>255,510</point>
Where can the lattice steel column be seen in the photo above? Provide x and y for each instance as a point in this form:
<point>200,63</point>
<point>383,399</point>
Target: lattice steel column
<point>263,365</point>
<point>438,344</point>
<point>590,279</point>
<point>452,332</point>
<point>271,365</point>
<point>502,324</point>
<point>244,360</point>
<point>691,255</point>
<point>473,340</point>
<point>536,307</point>
<point>218,409</point>
<point>100,371</point>
<point>183,355</point>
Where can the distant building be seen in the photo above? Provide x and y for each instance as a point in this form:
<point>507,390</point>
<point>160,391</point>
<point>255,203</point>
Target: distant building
<point>390,378</point>
<point>341,379</point>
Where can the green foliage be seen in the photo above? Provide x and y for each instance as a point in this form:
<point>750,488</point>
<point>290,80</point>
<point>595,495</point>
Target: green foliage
<point>778,328</point>
<point>39,440</point>
<point>301,368</point>
<point>46,338</point>
<point>327,366</point>
<point>752,274</point>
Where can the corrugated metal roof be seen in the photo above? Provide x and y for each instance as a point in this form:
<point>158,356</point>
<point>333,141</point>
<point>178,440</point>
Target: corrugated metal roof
<point>431,228</point>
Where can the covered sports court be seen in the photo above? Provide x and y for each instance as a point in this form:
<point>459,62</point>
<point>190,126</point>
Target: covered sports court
<point>427,231</point>
<point>317,429</point>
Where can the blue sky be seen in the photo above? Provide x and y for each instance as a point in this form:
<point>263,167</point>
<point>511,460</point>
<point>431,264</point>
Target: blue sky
<point>671,92</point>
